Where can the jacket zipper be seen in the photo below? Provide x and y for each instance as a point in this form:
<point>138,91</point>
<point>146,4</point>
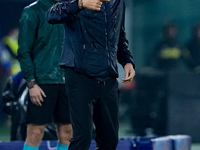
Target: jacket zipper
<point>106,35</point>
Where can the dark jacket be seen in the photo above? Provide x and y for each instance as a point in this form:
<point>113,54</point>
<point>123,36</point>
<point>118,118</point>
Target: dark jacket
<point>167,54</point>
<point>11,99</point>
<point>194,51</point>
<point>40,45</point>
<point>94,39</point>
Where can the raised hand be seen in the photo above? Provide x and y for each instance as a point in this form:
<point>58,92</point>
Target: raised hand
<point>91,4</point>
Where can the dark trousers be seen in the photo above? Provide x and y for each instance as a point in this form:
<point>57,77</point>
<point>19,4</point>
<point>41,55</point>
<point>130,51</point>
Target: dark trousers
<point>92,101</point>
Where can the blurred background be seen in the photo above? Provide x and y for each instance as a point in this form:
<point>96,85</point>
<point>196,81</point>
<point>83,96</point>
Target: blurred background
<point>164,97</point>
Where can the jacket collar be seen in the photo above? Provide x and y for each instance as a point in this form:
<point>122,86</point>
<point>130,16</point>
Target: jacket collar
<point>46,4</point>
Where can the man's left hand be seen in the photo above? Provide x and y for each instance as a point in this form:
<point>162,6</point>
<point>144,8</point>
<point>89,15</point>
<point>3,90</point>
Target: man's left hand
<point>129,72</point>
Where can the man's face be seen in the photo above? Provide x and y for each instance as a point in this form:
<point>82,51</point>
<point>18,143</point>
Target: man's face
<point>198,33</point>
<point>172,32</point>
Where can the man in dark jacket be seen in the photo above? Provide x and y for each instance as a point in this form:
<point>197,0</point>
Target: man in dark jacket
<point>94,40</point>
<point>167,54</point>
<point>193,49</point>
<point>39,51</point>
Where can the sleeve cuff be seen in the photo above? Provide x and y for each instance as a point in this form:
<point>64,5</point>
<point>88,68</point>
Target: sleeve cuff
<point>30,78</point>
<point>74,8</point>
<point>128,60</point>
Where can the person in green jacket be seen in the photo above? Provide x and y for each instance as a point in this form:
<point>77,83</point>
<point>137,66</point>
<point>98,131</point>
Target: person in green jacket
<point>40,46</point>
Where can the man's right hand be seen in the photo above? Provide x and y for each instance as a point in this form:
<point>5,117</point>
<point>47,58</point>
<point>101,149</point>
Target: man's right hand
<point>36,95</point>
<point>92,4</point>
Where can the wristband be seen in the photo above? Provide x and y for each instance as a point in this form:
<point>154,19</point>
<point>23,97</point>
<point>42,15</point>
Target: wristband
<point>30,84</point>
